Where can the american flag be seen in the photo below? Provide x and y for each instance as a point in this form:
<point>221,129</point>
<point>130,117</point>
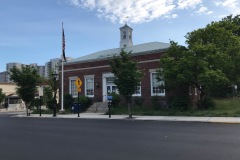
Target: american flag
<point>63,45</point>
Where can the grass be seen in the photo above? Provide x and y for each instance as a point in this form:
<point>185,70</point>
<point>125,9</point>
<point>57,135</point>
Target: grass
<point>224,108</point>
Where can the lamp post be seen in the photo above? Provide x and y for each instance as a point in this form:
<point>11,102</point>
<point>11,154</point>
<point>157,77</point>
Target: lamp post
<point>40,92</point>
<point>55,75</point>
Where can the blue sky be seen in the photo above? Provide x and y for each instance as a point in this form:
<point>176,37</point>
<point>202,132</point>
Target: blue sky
<point>31,30</point>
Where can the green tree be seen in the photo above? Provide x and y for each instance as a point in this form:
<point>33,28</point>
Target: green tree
<point>48,97</point>
<point>211,59</point>
<point>26,79</point>
<point>49,90</point>
<point>2,95</point>
<point>127,76</point>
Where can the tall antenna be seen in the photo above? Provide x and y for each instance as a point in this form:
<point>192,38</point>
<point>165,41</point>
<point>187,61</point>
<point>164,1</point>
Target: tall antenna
<point>126,19</point>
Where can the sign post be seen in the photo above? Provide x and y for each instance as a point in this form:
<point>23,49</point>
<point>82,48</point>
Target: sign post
<point>78,83</point>
<point>40,93</point>
<point>109,105</point>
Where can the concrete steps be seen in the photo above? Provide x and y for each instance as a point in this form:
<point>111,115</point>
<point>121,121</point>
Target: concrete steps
<point>98,107</point>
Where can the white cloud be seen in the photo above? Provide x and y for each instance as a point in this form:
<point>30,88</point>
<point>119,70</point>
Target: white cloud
<point>233,6</point>
<point>137,11</point>
<point>174,16</point>
<point>227,3</point>
<point>185,4</point>
<point>204,10</point>
<point>171,16</point>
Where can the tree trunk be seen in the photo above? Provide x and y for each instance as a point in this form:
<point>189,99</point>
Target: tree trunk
<point>26,104</point>
<point>27,110</point>
<point>202,96</point>
<point>129,110</point>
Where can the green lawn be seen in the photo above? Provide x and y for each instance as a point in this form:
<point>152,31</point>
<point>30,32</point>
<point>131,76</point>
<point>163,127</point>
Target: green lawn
<point>224,108</point>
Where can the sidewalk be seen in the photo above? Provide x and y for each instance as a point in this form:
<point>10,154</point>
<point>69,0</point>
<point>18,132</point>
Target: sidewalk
<point>233,120</point>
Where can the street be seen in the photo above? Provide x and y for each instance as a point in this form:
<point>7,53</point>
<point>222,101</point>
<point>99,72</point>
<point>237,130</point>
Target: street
<point>88,139</point>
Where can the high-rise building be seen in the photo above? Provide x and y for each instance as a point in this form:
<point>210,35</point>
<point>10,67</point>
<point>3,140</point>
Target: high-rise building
<point>3,76</point>
<point>51,66</point>
<point>9,66</point>
<point>41,70</point>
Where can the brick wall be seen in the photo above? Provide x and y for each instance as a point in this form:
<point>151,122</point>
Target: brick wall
<point>98,67</point>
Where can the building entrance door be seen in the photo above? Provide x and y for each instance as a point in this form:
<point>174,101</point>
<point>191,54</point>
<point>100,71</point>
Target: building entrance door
<point>108,85</point>
<point>111,89</point>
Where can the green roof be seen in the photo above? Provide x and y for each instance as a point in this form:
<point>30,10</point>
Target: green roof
<point>144,48</point>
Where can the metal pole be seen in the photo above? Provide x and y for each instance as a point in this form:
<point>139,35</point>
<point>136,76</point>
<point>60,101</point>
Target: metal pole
<point>54,106</point>
<point>62,89</point>
<point>62,86</point>
<point>78,105</point>
<point>40,105</point>
<point>109,109</point>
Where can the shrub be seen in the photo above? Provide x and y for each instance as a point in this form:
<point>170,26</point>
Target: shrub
<point>155,102</point>
<point>35,103</point>
<point>85,101</point>
<point>50,103</point>
<point>208,103</point>
<point>68,101</point>
<point>116,99</point>
<point>138,101</point>
<point>179,103</point>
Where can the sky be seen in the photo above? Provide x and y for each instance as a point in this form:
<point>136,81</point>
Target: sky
<point>31,30</point>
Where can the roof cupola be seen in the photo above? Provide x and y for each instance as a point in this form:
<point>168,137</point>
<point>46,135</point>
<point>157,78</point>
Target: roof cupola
<point>125,36</point>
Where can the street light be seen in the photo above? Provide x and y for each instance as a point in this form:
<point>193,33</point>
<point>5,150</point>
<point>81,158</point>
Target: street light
<point>55,75</point>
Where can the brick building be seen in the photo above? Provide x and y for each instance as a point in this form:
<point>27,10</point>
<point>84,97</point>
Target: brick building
<point>95,72</point>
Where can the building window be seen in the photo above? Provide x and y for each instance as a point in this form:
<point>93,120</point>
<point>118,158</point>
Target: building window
<point>89,86</point>
<point>156,86</point>
<point>130,37</point>
<point>14,101</point>
<point>72,86</point>
<point>137,91</point>
<point>124,35</point>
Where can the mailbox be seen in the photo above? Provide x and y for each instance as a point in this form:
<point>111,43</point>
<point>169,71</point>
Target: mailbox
<point>109,98</point>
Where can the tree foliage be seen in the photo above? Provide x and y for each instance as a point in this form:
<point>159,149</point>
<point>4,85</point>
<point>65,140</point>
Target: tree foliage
<point>48,97</point>
<point>2,95</point>
<point>211,59</point>
<point>127,75</point>
<point>49,90</point>
<point>26,80</point>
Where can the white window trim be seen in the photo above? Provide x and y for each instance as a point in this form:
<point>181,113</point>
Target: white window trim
<point>196,90</point>
<point>190,90</point>
<point>151,81</point>
<point>140,94</point>
<point>72,79</point>
<point>85,87</point>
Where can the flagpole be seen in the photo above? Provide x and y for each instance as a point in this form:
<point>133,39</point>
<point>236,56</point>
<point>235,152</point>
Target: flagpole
<point>62,77</point>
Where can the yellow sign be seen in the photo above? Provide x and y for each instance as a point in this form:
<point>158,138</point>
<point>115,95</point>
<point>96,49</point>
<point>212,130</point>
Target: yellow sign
<point>78,89</point>
<point>78,82</point>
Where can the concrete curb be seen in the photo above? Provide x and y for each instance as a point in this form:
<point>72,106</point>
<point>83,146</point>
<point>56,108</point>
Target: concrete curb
<point>228,120</point>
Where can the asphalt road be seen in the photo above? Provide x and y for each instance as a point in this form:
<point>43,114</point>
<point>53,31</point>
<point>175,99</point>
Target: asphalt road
<point>70,139</point>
